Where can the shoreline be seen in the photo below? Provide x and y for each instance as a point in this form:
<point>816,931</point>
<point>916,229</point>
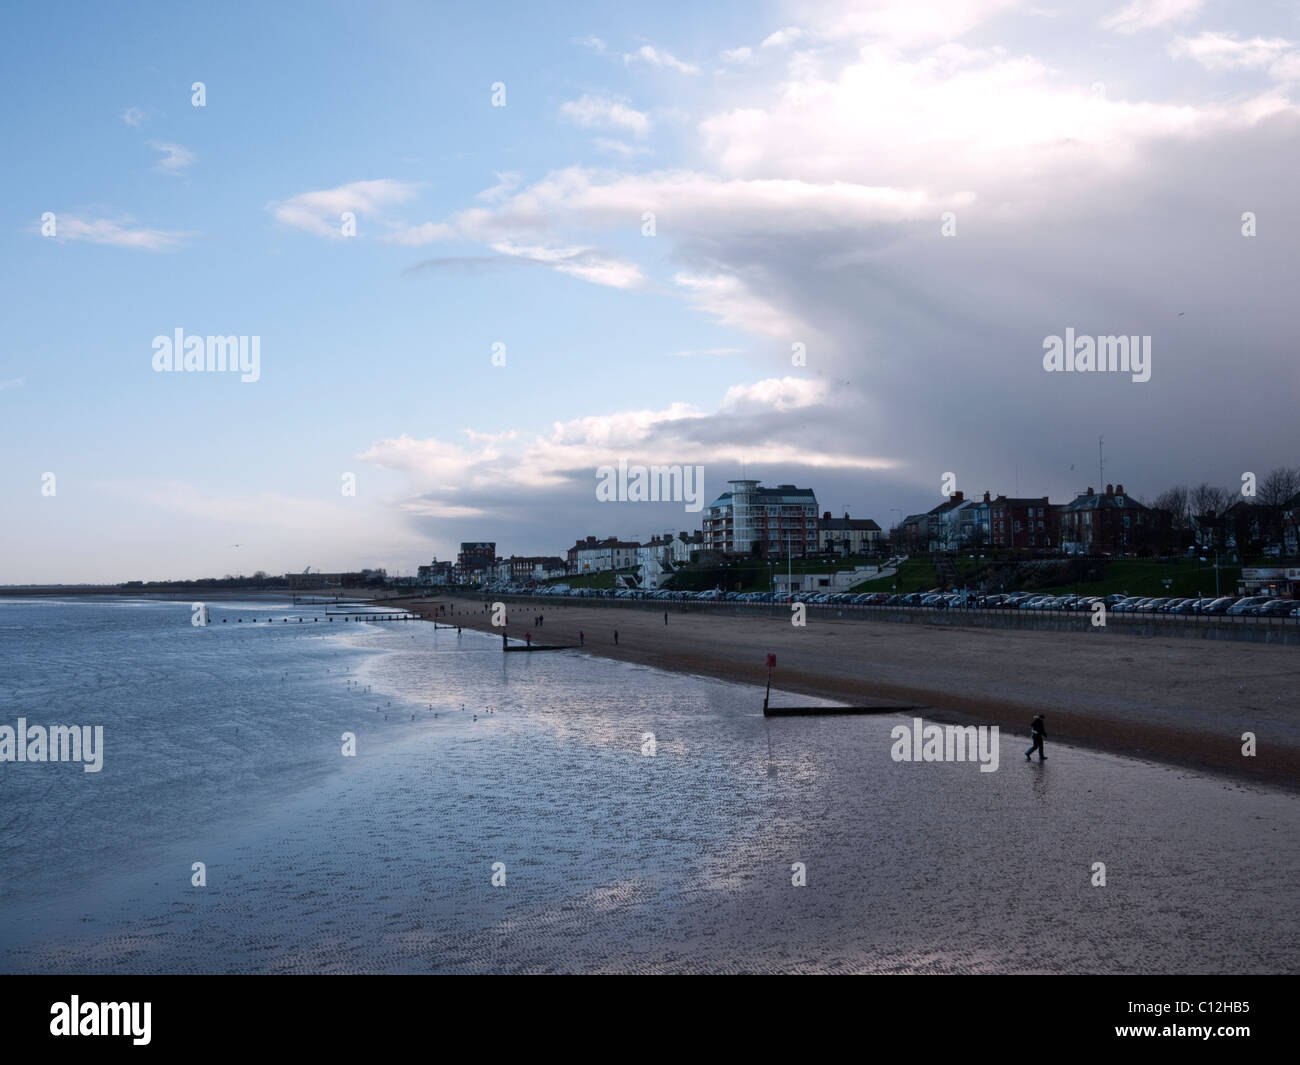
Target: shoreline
<point>1163,699</point>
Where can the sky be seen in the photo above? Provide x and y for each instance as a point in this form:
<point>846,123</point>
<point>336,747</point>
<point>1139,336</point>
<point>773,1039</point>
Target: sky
<point>808,243</point>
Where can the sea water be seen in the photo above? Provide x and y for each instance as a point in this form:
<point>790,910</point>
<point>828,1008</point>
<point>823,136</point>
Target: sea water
<point>560,812</point>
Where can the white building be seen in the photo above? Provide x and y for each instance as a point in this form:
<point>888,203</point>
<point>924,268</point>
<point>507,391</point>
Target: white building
<point>597,556</point>
<point>762,522</point>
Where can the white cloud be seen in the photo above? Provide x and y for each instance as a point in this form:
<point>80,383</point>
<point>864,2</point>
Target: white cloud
<point>14,382</point>
<point>443,472</point>
<point>693,352</point>
<point>740,55</point>
<point>781,38</point>
<point>585,263</point>
<point>973,119</point>
<point>175,157</point>
<point>133,116</point>
<point>1224,51</point>
<point>319,211</point>
<point>595,44</point>
<point>506,184</point>
<point>659,58</point>
<point>731,302</point>
<point>605,112</point>
<point>696,204</point>
<point>1149,14</point>
<point>427,508</point>
<point>778,394</point>
<point>118,232</point>
<point>900,24</point>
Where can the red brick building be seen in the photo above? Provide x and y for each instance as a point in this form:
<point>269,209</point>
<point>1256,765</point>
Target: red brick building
<point>1114,523</point>
<point>1024,523</point>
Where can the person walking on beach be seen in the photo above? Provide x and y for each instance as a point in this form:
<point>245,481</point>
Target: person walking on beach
<point>616,637</point>
<point>665,617</point>
<point>1038,733</point>
<point>504,641</point>
<point>582,638</point>
<point>528,639</point>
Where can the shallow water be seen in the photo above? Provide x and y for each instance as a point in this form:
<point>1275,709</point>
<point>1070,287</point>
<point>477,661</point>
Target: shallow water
<point>613,860</point>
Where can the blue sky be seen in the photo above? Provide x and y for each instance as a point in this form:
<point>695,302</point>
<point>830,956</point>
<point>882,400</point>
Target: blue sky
<point>797,159</point>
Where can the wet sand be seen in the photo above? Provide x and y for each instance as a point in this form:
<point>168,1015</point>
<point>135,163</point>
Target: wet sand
<point>1179,701</point>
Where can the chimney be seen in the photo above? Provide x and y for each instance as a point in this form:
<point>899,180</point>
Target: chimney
<point>1119,489</point>
<point>846,515</point>
<point>956,497</point>
<point>986,497</point>
<point>826,516</point>
<point>1110,489</point>
<point>1089,492</point>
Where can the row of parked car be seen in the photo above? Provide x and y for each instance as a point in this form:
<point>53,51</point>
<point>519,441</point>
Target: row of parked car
<point>1250,606</point>
<point>1230,605</point>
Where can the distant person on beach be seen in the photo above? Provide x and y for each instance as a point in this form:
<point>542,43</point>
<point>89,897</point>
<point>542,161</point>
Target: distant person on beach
<point>582,638</point>
<point>528,639</point>
<point>616,637</point>
<point>1038,733</point>
<point>503,641</point>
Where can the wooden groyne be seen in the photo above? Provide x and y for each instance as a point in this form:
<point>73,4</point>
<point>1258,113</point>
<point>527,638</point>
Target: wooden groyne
<point>818,711</point>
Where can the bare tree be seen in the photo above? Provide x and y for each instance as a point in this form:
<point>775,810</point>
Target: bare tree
<point>1207,498</point>
<point>1278,486</point>
<point>1207,504</point>
<point>1175,501</point>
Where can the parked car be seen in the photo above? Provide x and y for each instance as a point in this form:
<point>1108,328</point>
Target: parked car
<point>1247,605</point>
<point>1276,608</point>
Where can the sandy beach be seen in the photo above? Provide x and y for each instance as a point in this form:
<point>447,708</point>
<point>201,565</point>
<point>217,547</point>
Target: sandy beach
<point>1179,701</point>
